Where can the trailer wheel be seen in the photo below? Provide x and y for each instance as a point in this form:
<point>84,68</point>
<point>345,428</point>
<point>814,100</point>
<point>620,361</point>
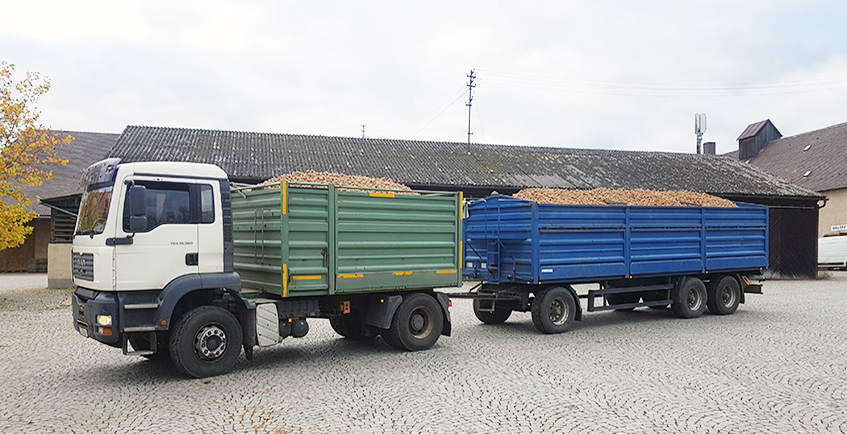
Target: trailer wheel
<point>352,326</point>
<point>553,310</point>
<point>689,297</point>
<point>724,294</point>
<point>416,325</point>
<point>502,312</point>
<point>206,342</point>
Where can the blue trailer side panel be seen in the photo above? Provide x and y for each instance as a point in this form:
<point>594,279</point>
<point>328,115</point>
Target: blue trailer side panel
<point>512,240</point>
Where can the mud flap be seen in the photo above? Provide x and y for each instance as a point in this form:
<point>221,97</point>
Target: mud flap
<point>444,302</point>
<point>380,314</point>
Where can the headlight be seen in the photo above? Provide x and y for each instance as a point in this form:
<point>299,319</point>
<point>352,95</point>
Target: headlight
<point>104,320</point>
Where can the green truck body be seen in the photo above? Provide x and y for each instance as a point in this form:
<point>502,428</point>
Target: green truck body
<point>306,240</point>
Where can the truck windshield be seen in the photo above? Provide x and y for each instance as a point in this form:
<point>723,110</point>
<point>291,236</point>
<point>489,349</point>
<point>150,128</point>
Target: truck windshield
<point>93,211</point>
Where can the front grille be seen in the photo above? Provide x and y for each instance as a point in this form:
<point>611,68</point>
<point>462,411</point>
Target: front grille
<point>83,266</point>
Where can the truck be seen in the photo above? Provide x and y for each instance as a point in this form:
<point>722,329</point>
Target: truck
<point>530,257</point>
<point>171,260</point>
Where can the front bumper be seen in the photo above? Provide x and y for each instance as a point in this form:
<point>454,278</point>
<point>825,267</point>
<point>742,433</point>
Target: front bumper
<point>87,304</point>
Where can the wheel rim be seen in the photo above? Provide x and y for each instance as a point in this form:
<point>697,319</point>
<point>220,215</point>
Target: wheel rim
<point>727,296</point>
<point>695,299</point>
<point>420,323</point>
<point>210,342</point>
<point>558,312</point>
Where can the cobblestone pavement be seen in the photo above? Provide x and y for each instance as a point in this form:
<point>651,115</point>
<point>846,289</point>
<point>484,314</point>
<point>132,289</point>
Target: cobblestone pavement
<point>778,365</point>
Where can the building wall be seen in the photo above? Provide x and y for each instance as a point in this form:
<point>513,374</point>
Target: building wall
<point>32,254</point>
<point>59,268</point>
<point>834,213</point>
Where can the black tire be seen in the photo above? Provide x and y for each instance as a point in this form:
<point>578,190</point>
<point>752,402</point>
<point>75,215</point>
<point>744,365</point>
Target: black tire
<point>352,326</point>
<point>502,312</point>
<point>416,325</point>
<point>206,342</point>
<point>624,298</point>
<point>689,297</point>
<point>724,294</point>
<point>553,310</point>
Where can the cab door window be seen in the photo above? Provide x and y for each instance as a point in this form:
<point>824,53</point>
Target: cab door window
<point>166,203</point>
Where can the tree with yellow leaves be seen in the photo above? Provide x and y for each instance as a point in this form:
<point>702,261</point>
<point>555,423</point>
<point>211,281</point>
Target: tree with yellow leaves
<point>27,150</point>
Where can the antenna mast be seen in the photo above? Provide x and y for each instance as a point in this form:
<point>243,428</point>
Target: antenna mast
<point>699,128</point>
<point>470,85</point>
<point>363,130</point>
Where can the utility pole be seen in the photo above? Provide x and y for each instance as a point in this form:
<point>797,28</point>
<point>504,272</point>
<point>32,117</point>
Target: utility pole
<point>363,130</point>
<point>471,85</point>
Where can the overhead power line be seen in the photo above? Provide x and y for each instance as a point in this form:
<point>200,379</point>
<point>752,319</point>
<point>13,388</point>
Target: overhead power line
<point>662,89</point>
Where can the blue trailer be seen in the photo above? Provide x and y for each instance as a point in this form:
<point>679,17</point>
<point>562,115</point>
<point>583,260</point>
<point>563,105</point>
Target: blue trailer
<point>528,255</point>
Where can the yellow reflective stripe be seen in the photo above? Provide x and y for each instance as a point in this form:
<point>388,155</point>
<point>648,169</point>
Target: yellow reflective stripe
<point>461,253</point>
<point>285,280</point>
<point>317,277</point>
<point>445,272</point>
<point>382,194</point>
<point>350,276</point>
<point>284,197</point>
<point>402,273</point>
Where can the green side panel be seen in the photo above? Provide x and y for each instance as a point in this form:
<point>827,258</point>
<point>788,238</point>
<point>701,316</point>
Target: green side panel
<point>335,241</point>
<point>257,238</point>
<point>397,242</point>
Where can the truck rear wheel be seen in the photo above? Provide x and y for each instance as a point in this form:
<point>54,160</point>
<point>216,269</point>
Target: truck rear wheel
<point>352,326</point>
<point>416,325</point>
<point>553,310</point>
<point>502,312</point>
<point>206,342</point>
<point>724,294</point>
<point>689,296</point>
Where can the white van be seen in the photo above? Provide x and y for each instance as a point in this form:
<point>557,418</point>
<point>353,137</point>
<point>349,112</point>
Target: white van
<point>832,252</point>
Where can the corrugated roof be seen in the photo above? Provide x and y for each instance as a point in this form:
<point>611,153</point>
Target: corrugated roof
<point>86,149</point>
<point>258,156</point>
<point>822,153</point>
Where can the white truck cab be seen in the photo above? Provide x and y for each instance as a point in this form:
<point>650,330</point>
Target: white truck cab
<point>181,234</point>
<point>149,236</point>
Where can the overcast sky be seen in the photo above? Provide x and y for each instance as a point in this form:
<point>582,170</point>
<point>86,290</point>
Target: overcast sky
<point>612,75</point>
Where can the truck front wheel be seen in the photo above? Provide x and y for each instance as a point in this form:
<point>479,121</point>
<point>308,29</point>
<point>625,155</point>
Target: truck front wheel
<point>553,310</point>
<point>416,325</point>
<point>206,342</point>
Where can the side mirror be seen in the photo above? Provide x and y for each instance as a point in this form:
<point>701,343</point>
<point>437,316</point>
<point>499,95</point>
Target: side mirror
<point>138,223</point>
<point>137,202</point>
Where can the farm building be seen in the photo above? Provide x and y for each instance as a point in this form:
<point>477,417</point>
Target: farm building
<point>251,157</point>
<point>816,160</point>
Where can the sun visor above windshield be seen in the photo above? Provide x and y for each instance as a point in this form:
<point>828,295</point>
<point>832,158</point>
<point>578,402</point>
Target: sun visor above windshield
<point>99,174</point>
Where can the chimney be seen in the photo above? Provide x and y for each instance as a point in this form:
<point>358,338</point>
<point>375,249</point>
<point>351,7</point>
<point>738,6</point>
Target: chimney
<point>709,148</point>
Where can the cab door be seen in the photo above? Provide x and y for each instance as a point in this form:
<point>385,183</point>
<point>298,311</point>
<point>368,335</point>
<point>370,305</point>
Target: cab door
<point>168,246</point>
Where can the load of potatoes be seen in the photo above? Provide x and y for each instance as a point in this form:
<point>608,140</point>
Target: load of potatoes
<point>338,179</point>
<point>598,196</point>
<point>605,196</point>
